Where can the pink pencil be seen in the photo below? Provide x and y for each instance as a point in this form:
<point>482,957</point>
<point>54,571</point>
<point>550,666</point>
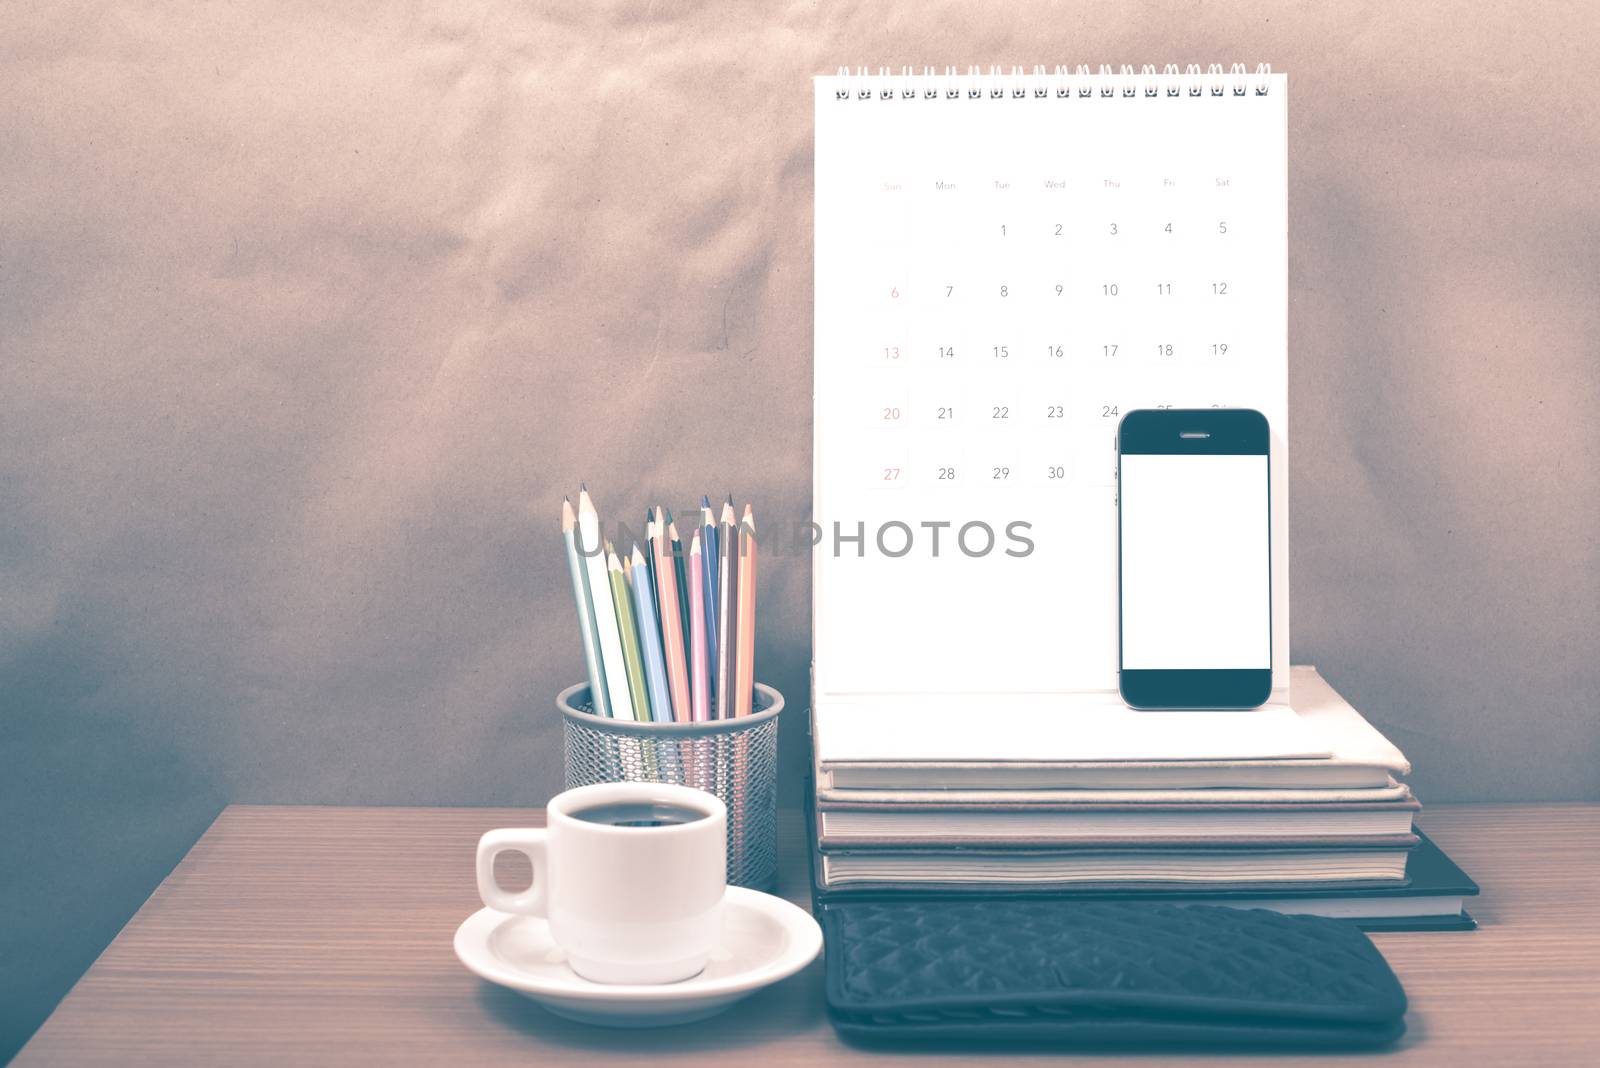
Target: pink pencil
<point>699,662</point>
<point>671,628</point>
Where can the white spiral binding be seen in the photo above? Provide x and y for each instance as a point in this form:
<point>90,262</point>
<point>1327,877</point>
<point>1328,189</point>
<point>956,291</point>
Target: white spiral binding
<point>1060,82</point>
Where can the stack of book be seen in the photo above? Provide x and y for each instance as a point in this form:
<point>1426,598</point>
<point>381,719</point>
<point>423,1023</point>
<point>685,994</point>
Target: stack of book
<point>1299,809</point>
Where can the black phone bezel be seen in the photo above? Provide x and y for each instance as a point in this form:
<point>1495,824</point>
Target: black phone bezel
<point>1227,431</point>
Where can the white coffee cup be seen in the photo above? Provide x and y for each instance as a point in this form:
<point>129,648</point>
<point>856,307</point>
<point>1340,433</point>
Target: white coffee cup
<point>626,903</point>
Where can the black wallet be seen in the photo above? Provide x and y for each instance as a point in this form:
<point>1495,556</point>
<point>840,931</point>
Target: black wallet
<point>1120,974</point>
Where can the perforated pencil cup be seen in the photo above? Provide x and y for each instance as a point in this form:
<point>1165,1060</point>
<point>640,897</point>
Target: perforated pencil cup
<point>736,759</point>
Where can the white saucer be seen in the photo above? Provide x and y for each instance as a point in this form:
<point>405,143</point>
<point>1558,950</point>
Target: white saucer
<point>765,939</point>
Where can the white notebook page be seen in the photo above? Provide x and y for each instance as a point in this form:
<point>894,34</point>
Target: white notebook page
<point>1079,727</point>
<point>998,279</point>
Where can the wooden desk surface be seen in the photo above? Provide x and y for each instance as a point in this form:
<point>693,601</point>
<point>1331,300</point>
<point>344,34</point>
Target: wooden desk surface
<point>322,935</point>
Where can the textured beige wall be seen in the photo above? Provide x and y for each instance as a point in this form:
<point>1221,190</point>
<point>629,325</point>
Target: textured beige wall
<point>309,315</point>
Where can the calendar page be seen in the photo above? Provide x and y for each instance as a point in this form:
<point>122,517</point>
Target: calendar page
<point>1005,264</point>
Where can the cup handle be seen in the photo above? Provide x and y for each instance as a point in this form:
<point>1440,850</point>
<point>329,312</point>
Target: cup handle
<point>530,843</point>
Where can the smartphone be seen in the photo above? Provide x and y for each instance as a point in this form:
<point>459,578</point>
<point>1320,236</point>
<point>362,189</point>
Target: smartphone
<point>1194,557</point>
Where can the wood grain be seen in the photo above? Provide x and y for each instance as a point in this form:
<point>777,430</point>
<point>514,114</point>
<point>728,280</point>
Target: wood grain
<point>322,935</point>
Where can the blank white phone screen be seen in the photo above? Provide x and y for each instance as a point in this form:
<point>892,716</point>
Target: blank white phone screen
<point>1195,562</point>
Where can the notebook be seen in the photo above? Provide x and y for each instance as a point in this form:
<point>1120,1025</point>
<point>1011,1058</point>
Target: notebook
<point>1024,775</point>
<point>901,745</point>
<point>1167,868</point>
<point>1066,797</point>
<point>1005,263</point>
<point>908,825</point>
<point>1431,896</point>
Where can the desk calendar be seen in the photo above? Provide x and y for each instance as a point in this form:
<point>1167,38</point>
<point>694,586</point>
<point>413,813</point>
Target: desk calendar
<point>1006,263</point>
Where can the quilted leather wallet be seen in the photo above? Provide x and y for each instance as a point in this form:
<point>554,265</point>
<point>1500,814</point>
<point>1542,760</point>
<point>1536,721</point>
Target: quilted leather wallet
<point>1105,974</point>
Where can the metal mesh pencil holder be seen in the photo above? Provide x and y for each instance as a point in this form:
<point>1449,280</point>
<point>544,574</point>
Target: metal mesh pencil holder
<point>736,759</point>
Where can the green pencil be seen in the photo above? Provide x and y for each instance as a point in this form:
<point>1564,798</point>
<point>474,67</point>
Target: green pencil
<point>592,548</point>
<point>632,655</point>
<point>680,558</point>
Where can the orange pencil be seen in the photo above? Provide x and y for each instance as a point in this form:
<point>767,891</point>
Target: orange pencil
<point>745,627</point>
<point>671,622</point>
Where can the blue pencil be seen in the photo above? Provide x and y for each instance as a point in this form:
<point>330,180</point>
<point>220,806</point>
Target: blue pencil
<point>655,660</point>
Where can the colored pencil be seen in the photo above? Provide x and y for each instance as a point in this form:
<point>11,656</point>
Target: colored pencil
<point>709,566</point>
<point>619,702</point>
<point>745,626</point>
<point>727,596</point>
<point>699,660</point>
<point>649,557</point>
<point>628,634</point>
<point>667,599</point>
<point>652,533</point>
<point>655,661</point>
<point>580,597</point>
<point>708,520</point>
<point>679,558</point>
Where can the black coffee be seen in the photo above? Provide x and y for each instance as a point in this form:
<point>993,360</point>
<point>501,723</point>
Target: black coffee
<point>639,814</point>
